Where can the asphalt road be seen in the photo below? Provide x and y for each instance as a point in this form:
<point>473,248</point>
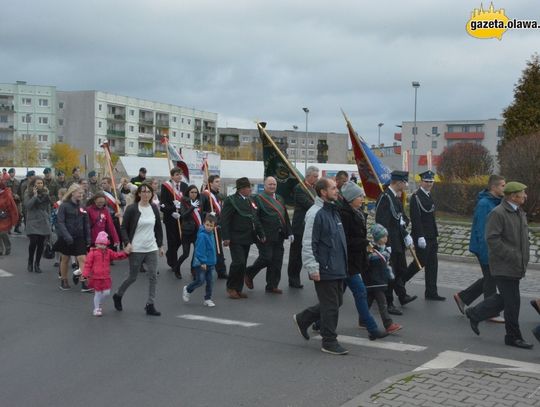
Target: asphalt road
<point>53,352</point>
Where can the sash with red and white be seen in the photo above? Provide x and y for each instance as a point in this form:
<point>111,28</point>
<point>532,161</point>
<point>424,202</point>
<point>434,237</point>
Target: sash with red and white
<point>215,206</point>
<point>111,200</point>
<point>197,217</point>
<point>170,187</point>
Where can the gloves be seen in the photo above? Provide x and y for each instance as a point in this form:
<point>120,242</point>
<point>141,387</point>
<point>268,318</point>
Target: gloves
<point>175,215</point>
<point>389,249</point>
<point>291,238</point>
<point>408,241</point>
<point>177,204</point>
<point>213,213</point>
<point>402,222</point>
<point>195,203</point>
<point>421,243</point>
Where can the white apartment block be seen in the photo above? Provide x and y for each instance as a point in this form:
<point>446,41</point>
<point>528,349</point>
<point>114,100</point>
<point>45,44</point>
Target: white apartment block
<point>28,112</point>
<point>133,127</point>
<point>438,135</point>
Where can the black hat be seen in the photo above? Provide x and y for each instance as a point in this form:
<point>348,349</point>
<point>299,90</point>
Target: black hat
<point>92,174</point>
<point>60,172</point>
<point>30,173</point>
<point>427,175</point>
<point>47,170</point>
<point>142,169</point>
<point>11,171</point>
<point>243,183</point>
<point>400,176</point>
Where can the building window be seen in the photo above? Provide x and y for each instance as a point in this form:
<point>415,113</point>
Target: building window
<point>43,120</point>
<point>60,122</point>
<point>434,130</point>
<point>26,136</point>
<point>27,118</point>
<point>3,119</point>
<point>188,135</point>
<point>182,135</point>
<point>182,120</point>
<point>293,142</point>
<point>174,119</point>
<point>44,102</point>
<point>304,142</point>
<point>311,142</point>
<point>131,145</point>
<point>500,132</point>
<point>43,137</point>
<point>99,107</point>
<point>245,139</point>
<point>131,112</point>
<point>174,134</point>
<point>99,125</point>
<point>188,121</point>
<point>131,129</point>
<point>433,144</point>
<point>27,101</point>
<point>99,141</point>
<point>113,143</point>
<point>43,156</point>
<point>311,153</point>
<point>61,105</point>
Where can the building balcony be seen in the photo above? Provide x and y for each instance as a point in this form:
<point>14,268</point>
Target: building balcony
<point>7,126</point>
<point>229,143</point>
<point>162,123</point>
<point>464,136</point>
<point>118,117</point>
<point>146,136</point>
<point>6,108</point>
<point>118,150</point>
<point>116,133</point>
<point>146,121</point>
<point>145,153</point>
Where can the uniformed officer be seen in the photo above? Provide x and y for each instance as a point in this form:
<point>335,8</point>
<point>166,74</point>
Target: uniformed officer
<point>240,228</point>
<point>389,213</point>
<point>424,233</point>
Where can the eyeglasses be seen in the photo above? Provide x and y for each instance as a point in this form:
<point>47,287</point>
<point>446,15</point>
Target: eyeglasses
<point>146,191</point>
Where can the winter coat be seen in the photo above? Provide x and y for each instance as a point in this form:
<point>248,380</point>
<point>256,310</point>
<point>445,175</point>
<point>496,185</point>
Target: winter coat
<point>389,213</point>
<point>38,214</point>
<point>97,267</point>
<point>205,249</point>
<point>302,202</point>
<point>324,247</point>
<point>354,226</point>
<point>189,226</point>
<point>101,221</point>
<point>131,219</point>
<point>8,206</point>
<point>72,223</point>
<point>379,272</point>
<point>239,220</point>
<point>485,203</point>
<point>507,237</point>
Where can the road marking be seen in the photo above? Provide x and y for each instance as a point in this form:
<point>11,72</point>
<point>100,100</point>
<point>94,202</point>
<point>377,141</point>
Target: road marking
<point>218,320</point>
<point>450,359</point>
<point>4,273</point>
<point>397,346</point>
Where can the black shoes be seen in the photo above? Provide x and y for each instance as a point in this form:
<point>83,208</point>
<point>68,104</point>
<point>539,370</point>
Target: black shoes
<point>334,349</point>
<point>518,343</point>
<point>392,310</point>
<point>151,310</point>
<point>117,299</point>
<point>30,267</point>
<point>302,329</point>
<point>459,302</point>
<point>378,334</point>
<point>177,274</point>
<point>37,269</point>
<point>407,299</point>
<point>435,297</point>
<point>296,285</point>
<point>222,275</point>
<point>474,324</point>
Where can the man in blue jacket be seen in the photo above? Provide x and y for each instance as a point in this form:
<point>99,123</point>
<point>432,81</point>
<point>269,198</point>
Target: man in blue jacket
<point>487,200</point>
<point>324,255</point>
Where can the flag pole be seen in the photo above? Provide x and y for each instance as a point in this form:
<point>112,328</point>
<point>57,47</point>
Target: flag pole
<point>289,165</point>
<point>166,138</point>
<point>106,148</point>
<point>205,166</point>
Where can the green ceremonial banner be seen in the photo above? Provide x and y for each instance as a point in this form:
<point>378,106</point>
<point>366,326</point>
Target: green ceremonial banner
<point>275,166</point>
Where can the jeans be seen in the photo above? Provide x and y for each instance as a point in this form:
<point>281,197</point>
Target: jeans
<point>358,289</point>
<point>136,260</point>
<point>201,277</point>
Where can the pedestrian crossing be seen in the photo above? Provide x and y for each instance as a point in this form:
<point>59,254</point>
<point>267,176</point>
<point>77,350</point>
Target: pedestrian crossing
<point>4,273</point>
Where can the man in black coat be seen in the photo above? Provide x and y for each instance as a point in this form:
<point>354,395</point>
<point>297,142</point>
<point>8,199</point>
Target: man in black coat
<point>277,227</point>
<point>172,193</point>
<point>302,202</point>
<point>139,179</point>
<point>390,214</point>
<point>424,233</point>
<point>240,228</point>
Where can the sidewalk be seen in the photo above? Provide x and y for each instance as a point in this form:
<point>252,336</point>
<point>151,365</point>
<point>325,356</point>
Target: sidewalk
<point>454,387</point>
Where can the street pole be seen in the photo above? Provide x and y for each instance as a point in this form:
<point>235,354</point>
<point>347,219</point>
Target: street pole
<point>28,117</point>
<point>415,85</point>
<point>380,125</point>
<point>295,127</point>
<point>306,111</point>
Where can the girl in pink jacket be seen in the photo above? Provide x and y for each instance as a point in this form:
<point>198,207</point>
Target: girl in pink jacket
<point>97,270</point>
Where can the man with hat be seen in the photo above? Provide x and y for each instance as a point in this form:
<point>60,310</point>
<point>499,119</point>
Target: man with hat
<point>424,233</point>
<point>389,213</point>
<point>93,184</point>
<point>50,184</point>
<point>240,228</point>
<point>507,237</point>
<point>75,176</point>
<point>13,184</point>
<point>139,179</point>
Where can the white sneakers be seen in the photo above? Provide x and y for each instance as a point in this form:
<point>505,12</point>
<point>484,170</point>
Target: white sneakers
<point>77,272</point>
<point>98,312</point>
<point>185,294</point>
<point>209,303</point>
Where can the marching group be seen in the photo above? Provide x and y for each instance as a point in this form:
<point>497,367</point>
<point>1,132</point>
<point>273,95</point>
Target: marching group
<point>328,236</point>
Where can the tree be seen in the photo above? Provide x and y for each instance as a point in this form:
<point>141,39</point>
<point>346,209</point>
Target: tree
<point>101,162</point>
<point>64,157</point>
<point>520,161</point>
<point>464,160</point>
<point>26,153</point>
<point>522,117</point>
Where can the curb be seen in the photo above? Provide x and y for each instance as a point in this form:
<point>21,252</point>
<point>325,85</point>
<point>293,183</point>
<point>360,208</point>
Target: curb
<point>473,260</point>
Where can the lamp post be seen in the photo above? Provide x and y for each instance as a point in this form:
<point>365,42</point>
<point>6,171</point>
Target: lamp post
<point>380,125</point>
<point>306,111</point>
<point>415,85</point>
<point>28,118</point>
<point>295,127</point>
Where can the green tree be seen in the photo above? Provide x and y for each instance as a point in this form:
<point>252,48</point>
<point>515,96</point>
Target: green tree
<point>463,161</point>
<point>26,153</point>
<point>64,157</point>
<point>522,117</point>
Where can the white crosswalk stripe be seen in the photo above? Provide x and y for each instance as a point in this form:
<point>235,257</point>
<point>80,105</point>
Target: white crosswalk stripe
<point>221,321</point>
<point>4,273</point>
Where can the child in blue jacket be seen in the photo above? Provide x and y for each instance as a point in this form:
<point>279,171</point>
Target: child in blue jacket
<point>204,261</point>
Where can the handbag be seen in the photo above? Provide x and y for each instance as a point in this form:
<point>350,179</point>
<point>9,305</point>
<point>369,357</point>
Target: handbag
<point>48,252</point>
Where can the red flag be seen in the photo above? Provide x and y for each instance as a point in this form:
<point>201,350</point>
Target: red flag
<point>183,166</point>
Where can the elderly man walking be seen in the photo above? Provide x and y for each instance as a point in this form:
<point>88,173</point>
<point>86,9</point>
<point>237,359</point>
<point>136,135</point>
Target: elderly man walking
<point>507,237</point>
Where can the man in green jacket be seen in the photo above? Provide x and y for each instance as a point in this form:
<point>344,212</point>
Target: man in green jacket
<point>240,228</point>
<point>507,237</point>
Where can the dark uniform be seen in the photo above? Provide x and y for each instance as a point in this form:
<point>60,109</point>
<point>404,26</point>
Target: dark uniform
<point>422,209</point>
<point>277,227</point>
<point>241,226</point>
<point>216,207</point>
<point>171,225</point>
<point>302,202</point>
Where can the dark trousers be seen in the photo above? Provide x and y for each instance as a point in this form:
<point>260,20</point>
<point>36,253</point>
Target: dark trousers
<point>237,271</point>
<point>173,243</point>
<point>187,241</point>
<point>36,246</point>
<point>508,300</point>
<point>428,259</point>
<point>295,260</point>
<point>271,257</point>
<point>402,274</point>
<point>330,295</point>
<point>221,268</point>
<point>485,285</point>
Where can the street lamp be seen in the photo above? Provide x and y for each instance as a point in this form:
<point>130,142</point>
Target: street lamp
<point>380,125</point>
<point>415,85</point>
<point>28,118</point>
<point>306,111</point>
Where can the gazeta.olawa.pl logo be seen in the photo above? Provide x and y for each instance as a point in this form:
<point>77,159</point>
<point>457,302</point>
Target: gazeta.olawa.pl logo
<point>492,23</point>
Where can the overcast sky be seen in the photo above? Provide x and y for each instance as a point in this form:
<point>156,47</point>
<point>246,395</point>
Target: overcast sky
<point>248,60</point>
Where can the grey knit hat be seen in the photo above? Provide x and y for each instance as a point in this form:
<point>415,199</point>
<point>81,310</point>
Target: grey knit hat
<point>350,191</point>
<point>378,231</point>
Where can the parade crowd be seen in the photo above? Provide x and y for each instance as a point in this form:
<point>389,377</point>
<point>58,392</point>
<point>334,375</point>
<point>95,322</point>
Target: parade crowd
<point>86,225</point>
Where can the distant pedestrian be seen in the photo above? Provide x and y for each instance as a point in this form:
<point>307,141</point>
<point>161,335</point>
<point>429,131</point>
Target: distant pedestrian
<point>100,219</point>
<point>204,261</point>
<point>97,270</point>
<point>9,216</point>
